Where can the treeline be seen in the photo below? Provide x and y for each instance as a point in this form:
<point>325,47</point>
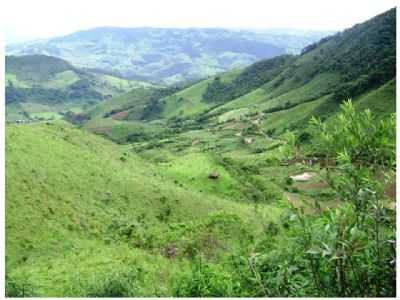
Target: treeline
<point>155,105</point>
<point>364,55</point>
<point>36,67</point>
<point>80,90</point>
<point>251,78</point>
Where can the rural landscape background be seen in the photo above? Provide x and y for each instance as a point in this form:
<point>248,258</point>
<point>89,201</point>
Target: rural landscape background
<point>202,162</point>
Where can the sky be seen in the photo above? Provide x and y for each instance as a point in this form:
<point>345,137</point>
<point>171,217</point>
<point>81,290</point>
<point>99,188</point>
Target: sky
<point>28,19</point>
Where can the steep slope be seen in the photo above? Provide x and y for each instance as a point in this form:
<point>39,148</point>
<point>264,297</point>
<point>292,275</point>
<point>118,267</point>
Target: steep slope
<point>170,55</point>
<point>350,64</point>
<point>121,118</point>
<point>78,205</point>
<point>345,65</point>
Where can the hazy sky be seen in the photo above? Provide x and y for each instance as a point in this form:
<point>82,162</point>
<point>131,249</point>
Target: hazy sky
<point>46,18</point>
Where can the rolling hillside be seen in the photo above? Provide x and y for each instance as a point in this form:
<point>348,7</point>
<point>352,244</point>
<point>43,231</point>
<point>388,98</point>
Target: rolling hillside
<point>42,86</point>
<point>351,64</point>
<point>110,201</point>
<point>260,181</point>
<point>168,55</point>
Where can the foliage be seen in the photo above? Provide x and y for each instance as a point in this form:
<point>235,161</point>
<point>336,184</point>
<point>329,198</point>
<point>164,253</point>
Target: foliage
<point>351,249</point>
<point>168,55</point>
<point>206,280</point>
<point>49,80</point>
<point>20,287</point>
<point>145,219</point>
<point>249,79</point>
<point>356,135</point>
<point>154,107</point>
<point>36,67</point>
<point>116,283</point>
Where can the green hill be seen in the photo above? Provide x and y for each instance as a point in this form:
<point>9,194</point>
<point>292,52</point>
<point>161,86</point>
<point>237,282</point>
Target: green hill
<point>220,188</point>
<point>349,64</point>
<point>39,85</point>
<point>342,66</point>
<point>72,192</point>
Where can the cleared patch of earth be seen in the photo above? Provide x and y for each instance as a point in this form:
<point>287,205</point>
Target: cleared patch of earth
<point>311,185</point>
<point>120,115</point>
<point>308,203</point>
<point>304,176</point>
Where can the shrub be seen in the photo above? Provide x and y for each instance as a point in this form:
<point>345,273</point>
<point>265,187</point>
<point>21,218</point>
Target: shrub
<point>206,280</point>
<point>18,287</point>
<point>289,181</point>
<point>109,284</point>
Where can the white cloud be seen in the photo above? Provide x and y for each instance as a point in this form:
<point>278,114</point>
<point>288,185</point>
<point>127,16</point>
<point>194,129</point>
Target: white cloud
<point>44,18</point>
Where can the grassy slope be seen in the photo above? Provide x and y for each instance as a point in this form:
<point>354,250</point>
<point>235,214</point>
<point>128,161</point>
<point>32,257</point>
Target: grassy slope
<point>188,102</point>
<point>291,117</point>
<point>326,73</point>
<point>64,187</point>
<point>129,104</point>
<point>104,118</point>
<point>133,99</point>
<point>310,76</point>
<point>381,101</point>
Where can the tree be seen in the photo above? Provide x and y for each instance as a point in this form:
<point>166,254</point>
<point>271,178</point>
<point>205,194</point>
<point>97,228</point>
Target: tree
<point>351,249</point>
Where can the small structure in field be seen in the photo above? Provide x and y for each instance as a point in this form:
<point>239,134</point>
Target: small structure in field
<point>247,141</point>
<point>213,175</point>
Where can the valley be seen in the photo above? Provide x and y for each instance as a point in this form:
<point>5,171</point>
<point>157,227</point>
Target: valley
<point>271,178</point>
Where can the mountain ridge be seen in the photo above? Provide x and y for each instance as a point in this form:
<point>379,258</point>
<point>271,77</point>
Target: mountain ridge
<point>197,52</point>
<point>333,69</point>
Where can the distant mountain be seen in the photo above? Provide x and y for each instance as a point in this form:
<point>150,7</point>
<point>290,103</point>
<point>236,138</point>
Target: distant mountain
<point>170,55</point>
<point>283,92</point>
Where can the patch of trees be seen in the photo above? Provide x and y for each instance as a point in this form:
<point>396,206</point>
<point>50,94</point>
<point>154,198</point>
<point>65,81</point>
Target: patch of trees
<point>155,106</point>
<point>251,78</point>
<point>36,67</point>
<point>81,90</point>
<point>37,94</point>
<point>363,83</point>
<point>288,104</point>
<point>315,45</point>
<point>364,56</point>
<point>76,118</point>
<point>256,48</point>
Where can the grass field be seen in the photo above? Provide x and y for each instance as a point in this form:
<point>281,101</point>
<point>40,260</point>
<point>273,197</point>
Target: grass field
<point>101,184</point>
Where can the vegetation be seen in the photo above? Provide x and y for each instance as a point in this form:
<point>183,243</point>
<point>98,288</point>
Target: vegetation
<point>166,55</point>
<point>249,79</point>
<point>46,80</point>
<point>257,182</point>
